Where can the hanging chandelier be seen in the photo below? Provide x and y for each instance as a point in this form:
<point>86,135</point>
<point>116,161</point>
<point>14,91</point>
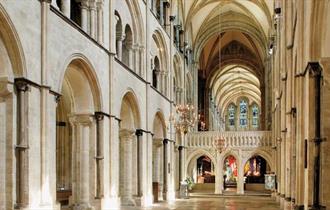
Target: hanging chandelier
<point>220,144</point>
<point>184,118</point>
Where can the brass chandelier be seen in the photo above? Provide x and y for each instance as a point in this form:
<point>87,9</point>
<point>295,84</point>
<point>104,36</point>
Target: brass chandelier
<point>184,118</point>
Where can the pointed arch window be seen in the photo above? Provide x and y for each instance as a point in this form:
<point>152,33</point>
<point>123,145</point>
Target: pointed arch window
<point>255,116</point>
<point>231,115</point>
<point>243,113</point>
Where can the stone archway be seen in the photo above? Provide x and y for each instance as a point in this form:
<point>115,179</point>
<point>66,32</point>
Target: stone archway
<point>220,179</point>
<point>191,169</point>
<point>255,169</point>
<point>12,122</point>
<point>130,121</point>
<point>159,179</point>
<point>76,136</point>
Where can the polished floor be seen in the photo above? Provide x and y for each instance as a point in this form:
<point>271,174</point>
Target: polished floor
<point>217,203</point>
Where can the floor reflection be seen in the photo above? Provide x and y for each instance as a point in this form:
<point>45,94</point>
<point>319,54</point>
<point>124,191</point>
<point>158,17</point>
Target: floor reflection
<point>218,203</point>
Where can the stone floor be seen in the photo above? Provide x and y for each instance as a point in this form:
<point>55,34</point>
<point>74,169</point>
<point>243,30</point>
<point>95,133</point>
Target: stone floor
<point>217,203</point>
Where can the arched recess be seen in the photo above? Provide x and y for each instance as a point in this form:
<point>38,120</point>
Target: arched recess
<point>12,65</point>
<point>177,79</point>
<point>221,163</point>
<point>255,166</point>
<point>262,154</point>
<point>158,158</point>
<point>128,155</point>
<point>127,48</point>
<point>191,169</point>
<point>76,134</point>
<point>133,18</point>
<point>137,20</point>
<point>119,35</point>
<point>159,49</point>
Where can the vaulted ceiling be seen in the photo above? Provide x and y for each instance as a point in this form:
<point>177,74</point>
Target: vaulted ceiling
<point>230,41</point>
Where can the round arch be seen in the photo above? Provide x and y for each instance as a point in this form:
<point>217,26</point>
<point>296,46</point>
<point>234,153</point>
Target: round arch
<point>138,29</point>
<point>79,62</point>
<point>10,46</point>
<point>161,47</point>
<point>159,125</point>
<point>130,111</point>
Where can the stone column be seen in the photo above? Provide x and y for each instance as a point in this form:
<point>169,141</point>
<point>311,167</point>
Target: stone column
<point>93,19</point>
<point>219,175</point>
<point>135,61</point>
<point>165,161</point>
<point>165,83</point>
<point>161,15</point>
<point>7,122</point>
<point>114,164</point>
<point>99,154</point>
<point>22,146</point>
<point>240,182</point>
<point>81,134</point>
<point>48,149</point>
<point>180,148</point>
<point>119,44</point>
<point>84,15</point>
<point>66,7</point>
<point>156,175</point>
<point>141,61</point>
<point>126,163</point>
<point>99,8</point>
<point>161,81</point>
<point>130,56</point>
<point>139,160</point>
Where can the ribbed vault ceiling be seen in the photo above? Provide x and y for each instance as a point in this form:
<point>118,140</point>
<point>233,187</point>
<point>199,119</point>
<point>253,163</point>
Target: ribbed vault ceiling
<point>233,82</point>
<point>230,42</point>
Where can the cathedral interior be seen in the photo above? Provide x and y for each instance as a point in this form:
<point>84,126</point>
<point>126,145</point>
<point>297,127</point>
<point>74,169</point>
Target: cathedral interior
<point>164,104</point>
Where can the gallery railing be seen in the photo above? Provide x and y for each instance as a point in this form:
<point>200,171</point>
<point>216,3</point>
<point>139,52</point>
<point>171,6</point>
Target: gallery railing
<point>231,139</point>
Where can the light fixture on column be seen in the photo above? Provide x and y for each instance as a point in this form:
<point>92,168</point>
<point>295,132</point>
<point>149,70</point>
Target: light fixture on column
<point>184,118</point>
<point>220,144</point>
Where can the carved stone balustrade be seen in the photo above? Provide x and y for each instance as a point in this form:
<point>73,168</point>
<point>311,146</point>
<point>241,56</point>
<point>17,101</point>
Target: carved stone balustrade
<point>233,139</point>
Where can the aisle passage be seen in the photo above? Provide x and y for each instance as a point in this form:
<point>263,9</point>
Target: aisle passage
<point>218,203</point>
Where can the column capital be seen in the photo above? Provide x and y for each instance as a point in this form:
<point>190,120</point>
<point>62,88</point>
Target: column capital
<point>180,148</point>
<point>126,133</point>
<point>22,85</point>
<point>99,5</point>
<point>99,116</point>
<point>165,141</point>
<point>141,48</point>
<point>135,47</point>
<point>46,1</point>
<point>84,4</point>
<point>92,5</point>
<point>5,87</point>
<point>83,119</point>
<point>139,132</point>
<point>158,142</point>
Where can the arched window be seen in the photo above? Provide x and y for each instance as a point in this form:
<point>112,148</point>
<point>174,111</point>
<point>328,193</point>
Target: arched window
<point>118,35</point>
<point>75,11</point>
<point>127,47</point>
<point>155,72</point>
<point>231,115</point>
<point>243,113</point>
<point>255,116</point>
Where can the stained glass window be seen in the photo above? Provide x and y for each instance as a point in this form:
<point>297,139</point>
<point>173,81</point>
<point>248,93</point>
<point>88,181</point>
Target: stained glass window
<point>243,113</point>
<point>231,115</point>
<point>255,116</point>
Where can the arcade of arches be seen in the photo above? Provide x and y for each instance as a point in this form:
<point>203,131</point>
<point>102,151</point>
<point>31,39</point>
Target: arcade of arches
<point>92,93</point>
